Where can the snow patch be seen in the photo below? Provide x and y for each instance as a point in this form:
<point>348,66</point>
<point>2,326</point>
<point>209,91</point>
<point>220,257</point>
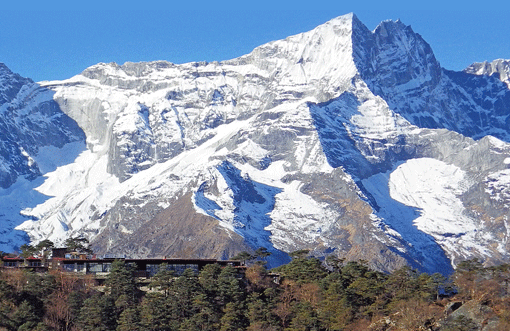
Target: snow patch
<point>420,200</point>
<point>433,187</point>
<point>49,158</point>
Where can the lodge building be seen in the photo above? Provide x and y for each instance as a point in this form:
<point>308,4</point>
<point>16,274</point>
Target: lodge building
<point>86,264</point>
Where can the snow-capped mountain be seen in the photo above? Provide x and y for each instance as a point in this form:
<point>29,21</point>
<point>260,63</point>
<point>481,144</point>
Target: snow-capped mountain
<point>339,140</point>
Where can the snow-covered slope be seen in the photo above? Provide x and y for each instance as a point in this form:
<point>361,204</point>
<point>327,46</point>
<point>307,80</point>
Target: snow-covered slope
<point>34,138</point>
<point>340,140</point>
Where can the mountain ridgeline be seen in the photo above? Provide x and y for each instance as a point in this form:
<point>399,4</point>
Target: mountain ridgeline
<point>339,140</point>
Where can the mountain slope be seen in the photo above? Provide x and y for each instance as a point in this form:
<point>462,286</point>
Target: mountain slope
<point>340,140</point>
<point>35,137</point>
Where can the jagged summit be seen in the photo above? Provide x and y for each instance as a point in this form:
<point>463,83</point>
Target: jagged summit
<point>499,66</point>
<point>10,84</point>
<point>340,140</point>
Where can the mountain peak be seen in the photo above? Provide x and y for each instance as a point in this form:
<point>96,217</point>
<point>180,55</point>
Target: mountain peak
<point>342,19</point>
<point>10,83</point>
<point>498,66</point>
<point>351,21</point>
<point>393,54</point>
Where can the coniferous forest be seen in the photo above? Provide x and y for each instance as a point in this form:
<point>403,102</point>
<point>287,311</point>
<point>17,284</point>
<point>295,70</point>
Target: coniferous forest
<point>309,294</point>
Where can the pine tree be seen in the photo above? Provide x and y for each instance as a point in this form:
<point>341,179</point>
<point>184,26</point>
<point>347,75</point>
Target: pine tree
<point>27,251</point>
<point>26,316</point>
<point>75,301</point>
<point>334,312</point>
<point>163,279</point>
<point>259,312</point>
<point>98,314</point>
<point>129,320</point>
<point>208,278</point>
<point>233,318</point>
<point>467,277</point>
<point>121,282</point>
<point>243,256</point>
<point>229,287</point>
<point>79,245</point>
<point>180,302</point>
<point>305,318</point>
<point>44,247</point>
<point>303,269</point>
<point>261,254</point>
<point>402,283</point>
<point>40,286</point>
<point>7,305</point>
<point>156,313</point>
<point>203,316</point>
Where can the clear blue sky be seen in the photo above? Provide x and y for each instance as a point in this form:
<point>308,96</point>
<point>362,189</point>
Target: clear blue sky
<point>55,41</point>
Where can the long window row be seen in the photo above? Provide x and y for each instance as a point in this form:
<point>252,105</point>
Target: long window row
<point>151,269</point>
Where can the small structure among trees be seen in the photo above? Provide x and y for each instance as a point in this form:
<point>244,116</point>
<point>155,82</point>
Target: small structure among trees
<point>258,257</point>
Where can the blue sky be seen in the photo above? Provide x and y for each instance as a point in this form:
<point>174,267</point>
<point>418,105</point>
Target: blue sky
<point>47,42</point>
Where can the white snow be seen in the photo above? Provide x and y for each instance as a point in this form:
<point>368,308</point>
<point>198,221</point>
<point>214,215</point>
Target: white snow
<point>72,190</point>
<point>18,196</point>
<point>498,186</point>
<point>84,186</point>
<point>497,143</point>
<point>50,157</point>
<point>30,160</point>
<point>433,187</point>
<point>421,198</point>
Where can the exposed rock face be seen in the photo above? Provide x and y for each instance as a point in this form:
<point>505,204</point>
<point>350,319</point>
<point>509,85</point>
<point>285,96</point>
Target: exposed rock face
<point>339,140</point>
<point>499,67</point>
<point>398,65</point>
<point>475,313</point>
<point>176,231</point>
<point>29,119</point>
<point>10,84</point>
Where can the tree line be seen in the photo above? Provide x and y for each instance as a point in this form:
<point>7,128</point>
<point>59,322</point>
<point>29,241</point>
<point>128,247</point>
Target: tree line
<point>311,295</point>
